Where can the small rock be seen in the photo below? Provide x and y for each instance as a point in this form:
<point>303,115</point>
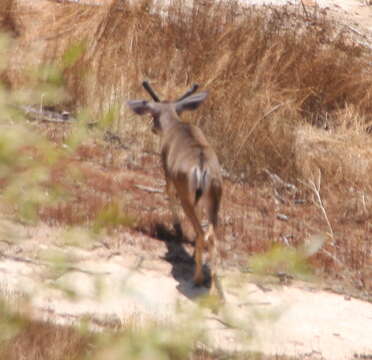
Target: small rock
<point>282,217</point>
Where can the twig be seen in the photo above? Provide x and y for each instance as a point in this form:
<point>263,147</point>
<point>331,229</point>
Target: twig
<point>224,323</point>
<point>250,303</point>
<point>304,8</point>
<point>316,189</point>
<point>355,30</point>
<point>280,198</point>
<point>41,114</point>
<point>333,257</point>
<point>46,115</point>
<point>22,259</point>
<point>276,180</point>
<point>40,263</point>
<point>79,2</point>
<point>262,287</point>
<point>84,271</point>
<point>148,189</point>
<point>276,107</point>
<point>280,186</point>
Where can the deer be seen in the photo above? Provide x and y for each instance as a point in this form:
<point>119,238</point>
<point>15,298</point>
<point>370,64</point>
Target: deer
<point>192,171</point>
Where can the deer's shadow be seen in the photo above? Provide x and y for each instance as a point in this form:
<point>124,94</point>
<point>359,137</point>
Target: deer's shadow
<point>183,264</point>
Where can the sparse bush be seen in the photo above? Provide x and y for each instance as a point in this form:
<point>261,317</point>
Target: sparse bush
<point>251,60</point>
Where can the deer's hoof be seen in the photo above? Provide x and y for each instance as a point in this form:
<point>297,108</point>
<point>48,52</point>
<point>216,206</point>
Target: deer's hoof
<point>199,279</point>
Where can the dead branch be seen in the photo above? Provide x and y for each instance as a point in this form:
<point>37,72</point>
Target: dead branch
<point>279,182</point>
<point>316,189</point>
<point>79,2</point>
<point>22,259</point>
<point>148,189</point>
<point>304,8</point>
<point>351,28</point>
<point>46,115</point>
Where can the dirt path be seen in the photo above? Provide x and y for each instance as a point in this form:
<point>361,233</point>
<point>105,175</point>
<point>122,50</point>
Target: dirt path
<point>124,284</point>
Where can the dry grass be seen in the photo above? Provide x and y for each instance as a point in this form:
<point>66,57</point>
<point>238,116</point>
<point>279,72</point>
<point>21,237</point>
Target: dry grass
<point>93,195</point>
<point>286,94</point>
<point>46,341</point>
<point>250,60</point>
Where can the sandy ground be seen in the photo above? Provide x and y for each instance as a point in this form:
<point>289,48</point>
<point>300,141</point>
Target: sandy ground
<point>125,283</point>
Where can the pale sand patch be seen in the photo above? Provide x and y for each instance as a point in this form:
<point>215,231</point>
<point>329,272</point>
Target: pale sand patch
<point>292,320</point>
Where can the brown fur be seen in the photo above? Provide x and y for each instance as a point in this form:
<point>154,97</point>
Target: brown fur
<point>191,168</point>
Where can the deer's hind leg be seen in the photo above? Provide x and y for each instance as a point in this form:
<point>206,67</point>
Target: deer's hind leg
<point>213,202</point>
<point>171,192</point>
<point>191,213</point>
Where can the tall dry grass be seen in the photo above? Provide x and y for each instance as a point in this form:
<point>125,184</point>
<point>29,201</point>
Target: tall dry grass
<point>267,70</point>
<point>44,340</point>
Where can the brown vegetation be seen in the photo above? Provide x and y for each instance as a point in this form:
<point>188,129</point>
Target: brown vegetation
<point>47,341</point>
<point>44,340</point>
<point>251,61</point>
<point>288,94</point>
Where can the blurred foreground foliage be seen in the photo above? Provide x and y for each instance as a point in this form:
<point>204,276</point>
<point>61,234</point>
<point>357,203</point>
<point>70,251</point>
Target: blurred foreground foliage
<point>29,160</point>
<point>24,338</point>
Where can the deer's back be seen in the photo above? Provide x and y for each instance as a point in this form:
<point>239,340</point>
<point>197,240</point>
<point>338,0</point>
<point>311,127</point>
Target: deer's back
<point>184,147</point>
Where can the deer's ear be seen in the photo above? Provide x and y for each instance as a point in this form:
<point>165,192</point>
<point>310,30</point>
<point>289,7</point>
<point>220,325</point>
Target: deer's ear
<point>140,107</point>
<point>191,103</point>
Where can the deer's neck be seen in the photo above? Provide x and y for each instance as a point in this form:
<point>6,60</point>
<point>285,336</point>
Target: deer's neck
<point>169,120</point>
